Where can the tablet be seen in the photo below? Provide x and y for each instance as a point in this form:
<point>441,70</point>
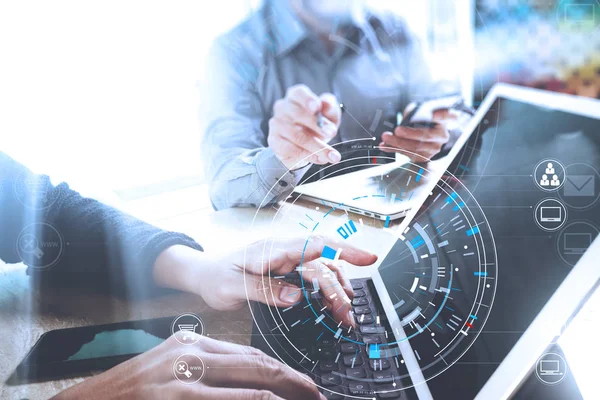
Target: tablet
<point>542,277</point>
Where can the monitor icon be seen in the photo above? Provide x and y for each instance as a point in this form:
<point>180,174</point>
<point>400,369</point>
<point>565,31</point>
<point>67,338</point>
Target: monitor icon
<point>576,243</point>
<point>550,214</point>
<point>550,367</point>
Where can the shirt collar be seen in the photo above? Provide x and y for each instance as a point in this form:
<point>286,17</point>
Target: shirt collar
<point>288,30</point>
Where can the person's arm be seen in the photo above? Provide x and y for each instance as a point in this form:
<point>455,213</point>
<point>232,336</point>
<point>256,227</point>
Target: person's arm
<point>241,168</point>
<point>63,236</point>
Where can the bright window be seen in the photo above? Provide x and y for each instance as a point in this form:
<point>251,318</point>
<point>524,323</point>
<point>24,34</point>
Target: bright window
<point>106,92</point>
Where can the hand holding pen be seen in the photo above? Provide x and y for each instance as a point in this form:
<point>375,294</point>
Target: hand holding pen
<point>302,125</point>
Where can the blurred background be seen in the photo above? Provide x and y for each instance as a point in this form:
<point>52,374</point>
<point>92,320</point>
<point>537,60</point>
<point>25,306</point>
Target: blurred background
<point>108,92</point>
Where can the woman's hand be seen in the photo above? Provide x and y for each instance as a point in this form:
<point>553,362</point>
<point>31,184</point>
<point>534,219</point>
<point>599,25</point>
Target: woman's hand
<point>221,281</point>
<point>232,372</point>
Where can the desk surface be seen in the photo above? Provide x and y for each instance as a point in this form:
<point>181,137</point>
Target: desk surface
<point>25,315</point>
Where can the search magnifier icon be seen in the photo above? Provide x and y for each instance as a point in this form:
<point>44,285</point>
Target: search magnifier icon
<point>182,368</point>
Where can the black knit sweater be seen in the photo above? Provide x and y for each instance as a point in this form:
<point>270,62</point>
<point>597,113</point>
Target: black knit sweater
<point>64,237</point>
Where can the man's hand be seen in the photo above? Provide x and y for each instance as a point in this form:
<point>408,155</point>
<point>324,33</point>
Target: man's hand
<point>294,134</point>
<point>233,372</point>
<point>419,143</point>
<point>227,281</point>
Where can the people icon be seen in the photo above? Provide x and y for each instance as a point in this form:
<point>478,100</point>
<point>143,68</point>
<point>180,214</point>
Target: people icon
<point>550,169</point>
<point>544,181</point>
<point>554,181</point>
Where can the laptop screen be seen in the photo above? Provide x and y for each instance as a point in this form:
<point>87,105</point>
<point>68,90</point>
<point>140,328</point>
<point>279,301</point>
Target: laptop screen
<point>534,173</point>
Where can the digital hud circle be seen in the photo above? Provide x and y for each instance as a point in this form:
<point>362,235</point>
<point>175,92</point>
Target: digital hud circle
<point>418,309</point>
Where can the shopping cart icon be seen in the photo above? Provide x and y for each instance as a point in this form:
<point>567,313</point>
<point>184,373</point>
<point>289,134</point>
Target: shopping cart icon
<point>187,328</point>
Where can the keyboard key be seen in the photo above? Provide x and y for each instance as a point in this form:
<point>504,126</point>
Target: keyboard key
<point>326,353</point>
<point>382,376</point>
<point>390,395</point>
<point>365,319</point>
<point>357,285</point>
<point>361,301</point>
<point>371,330</point>
<point>392,391</point>
<point>362,310</point>
<point>329,365</point>
<point>333,393</point>
<point>303,348</point>
<point>356,373</point>
<point>371,340</point>
<point>348,348</point>
<point>379,364</point>
<point>359,293</point>
<point>331,380</point>
<point>359,388</point>
<point>326,343</point>
<point>353,361</point>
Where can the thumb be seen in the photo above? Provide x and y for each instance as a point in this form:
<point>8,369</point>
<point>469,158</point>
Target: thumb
<point>274,292</point>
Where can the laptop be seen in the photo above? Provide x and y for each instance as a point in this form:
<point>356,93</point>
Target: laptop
<point>469,290</point>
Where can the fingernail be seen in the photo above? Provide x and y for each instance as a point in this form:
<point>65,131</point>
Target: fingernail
<point>313,105</point>
<point>289,294</point>
<point>323,159</point>
<point>334,156</point>
<point>330,130</point>
<point>351,318</point>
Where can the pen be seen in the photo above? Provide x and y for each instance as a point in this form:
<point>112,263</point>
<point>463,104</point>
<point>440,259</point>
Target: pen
<point>320,116</point>
<point>320,120</point>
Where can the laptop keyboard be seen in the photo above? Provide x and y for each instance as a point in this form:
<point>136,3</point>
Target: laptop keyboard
<point>343,367</point>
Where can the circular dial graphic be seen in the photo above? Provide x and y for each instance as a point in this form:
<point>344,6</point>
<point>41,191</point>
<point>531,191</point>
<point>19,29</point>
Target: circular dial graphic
<point>417,310</point>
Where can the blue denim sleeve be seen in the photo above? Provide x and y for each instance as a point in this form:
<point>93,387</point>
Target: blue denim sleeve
<point>242,171</point>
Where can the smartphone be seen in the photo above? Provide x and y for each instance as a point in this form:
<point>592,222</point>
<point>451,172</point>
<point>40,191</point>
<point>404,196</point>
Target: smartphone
<point>401,120</point>
<point>81,351</point>
<point>424,108</point>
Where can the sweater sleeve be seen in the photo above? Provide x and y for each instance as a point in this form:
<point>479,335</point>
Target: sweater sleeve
<point>64,237</point>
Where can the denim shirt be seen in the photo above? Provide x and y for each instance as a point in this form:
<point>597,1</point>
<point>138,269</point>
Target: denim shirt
<point>375,69</point>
